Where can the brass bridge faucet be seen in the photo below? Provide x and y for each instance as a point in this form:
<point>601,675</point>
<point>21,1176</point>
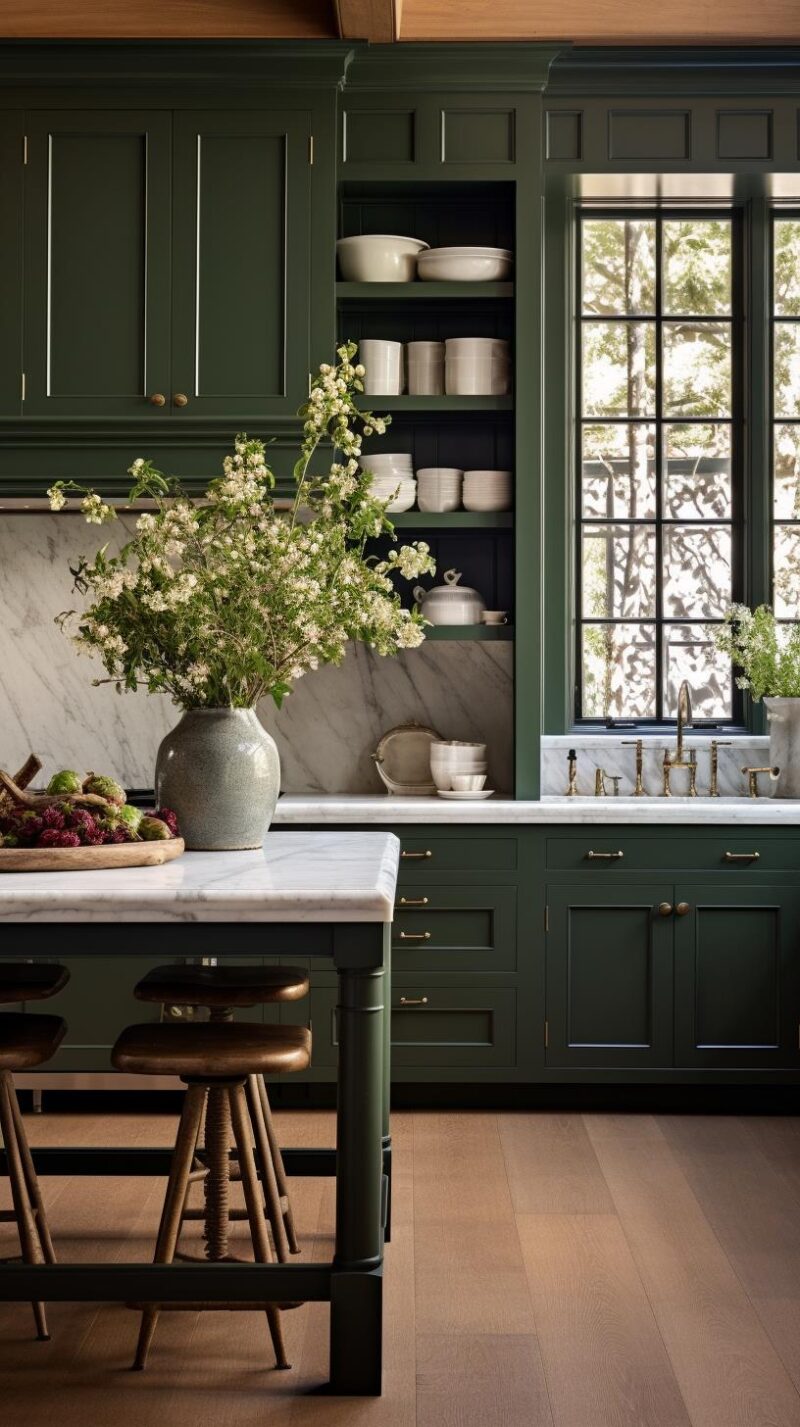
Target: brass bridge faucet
<point>677,759</point>
<point>639,790</point>
<point>716,744</point>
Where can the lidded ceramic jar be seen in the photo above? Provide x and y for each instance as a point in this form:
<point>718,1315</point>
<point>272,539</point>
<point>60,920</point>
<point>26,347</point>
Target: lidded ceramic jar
<point>450,603</point>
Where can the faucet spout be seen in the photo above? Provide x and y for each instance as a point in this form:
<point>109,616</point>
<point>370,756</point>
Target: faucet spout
<point>684,716</point>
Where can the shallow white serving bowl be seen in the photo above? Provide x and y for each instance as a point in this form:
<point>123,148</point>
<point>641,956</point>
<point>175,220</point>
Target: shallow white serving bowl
<point>387,460</point>
<point>467,264</point>
<point>379,257</point>
<point>453,750</point>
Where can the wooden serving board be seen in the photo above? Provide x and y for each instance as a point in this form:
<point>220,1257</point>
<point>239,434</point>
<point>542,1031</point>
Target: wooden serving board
<point>90,859</point>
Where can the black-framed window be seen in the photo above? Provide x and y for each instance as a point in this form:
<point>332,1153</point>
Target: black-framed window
<point>785,400</point>
<point>658,443</point>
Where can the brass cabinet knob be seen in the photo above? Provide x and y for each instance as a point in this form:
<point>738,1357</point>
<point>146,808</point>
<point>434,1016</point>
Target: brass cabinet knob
<point>158,399</point>
<point>180,399</point>
<point>665,909</point>
<point>683,909</point>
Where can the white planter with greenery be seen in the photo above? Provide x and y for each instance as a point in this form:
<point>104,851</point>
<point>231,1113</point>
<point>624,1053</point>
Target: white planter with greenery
<point>767,656</point>
<point>222,602</point>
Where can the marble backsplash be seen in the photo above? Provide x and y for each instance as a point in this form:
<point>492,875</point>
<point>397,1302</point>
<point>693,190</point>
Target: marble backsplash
<point>326,731</point>
<point>608,752</point>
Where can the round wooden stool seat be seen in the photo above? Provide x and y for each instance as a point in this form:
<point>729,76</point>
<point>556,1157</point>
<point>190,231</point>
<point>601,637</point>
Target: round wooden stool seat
<point>27,1041</point>
<point>208,1050</point>
<point>227,986</point>
<point>30,981</point>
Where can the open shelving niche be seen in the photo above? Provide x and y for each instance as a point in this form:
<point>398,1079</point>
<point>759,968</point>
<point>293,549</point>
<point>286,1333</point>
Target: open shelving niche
<point>470,432</point>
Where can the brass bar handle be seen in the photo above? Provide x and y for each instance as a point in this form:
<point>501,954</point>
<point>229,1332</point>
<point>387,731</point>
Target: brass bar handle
<point>410,856</point>
<point>742,856</point>
<point>604,856</point>
<point>157,399</point>
<point>665,909</point>
<point>413,1000</point>
<point>415,936</point>
<point>180,399</point>
<point>413,902</point>
<point>682,909</point>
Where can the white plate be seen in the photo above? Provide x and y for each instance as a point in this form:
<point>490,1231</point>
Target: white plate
<point>458,796</point>
<point>403,758</point>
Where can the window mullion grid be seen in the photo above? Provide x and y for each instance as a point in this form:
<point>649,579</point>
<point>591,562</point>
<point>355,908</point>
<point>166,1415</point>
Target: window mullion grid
<point>659,494</point>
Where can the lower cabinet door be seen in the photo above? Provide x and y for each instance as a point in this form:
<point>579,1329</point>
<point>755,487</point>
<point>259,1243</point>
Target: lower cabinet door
<point>737,988</point>
<point>97,1003</point>
<point>609,975</point>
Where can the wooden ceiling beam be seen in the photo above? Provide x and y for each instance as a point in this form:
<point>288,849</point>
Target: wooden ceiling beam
<point>596,22</point>
<point>374,20</point>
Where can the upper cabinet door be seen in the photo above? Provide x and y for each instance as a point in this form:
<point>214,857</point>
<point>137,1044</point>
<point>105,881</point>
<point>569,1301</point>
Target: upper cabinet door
<point>241,237</point>
<point>97,264</point>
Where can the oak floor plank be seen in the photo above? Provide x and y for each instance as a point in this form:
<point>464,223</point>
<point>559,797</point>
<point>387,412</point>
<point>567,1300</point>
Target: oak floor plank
<point>552,1167</point>
<point>459,1169</point>
<point>603,1355</point>
<point>471,1279</point>
<point>748,1201</point>
<point>481,1381</point>
<point>729,1373</point>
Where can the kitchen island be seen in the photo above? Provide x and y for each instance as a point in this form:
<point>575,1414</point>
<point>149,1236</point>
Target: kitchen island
<point>323,895</point>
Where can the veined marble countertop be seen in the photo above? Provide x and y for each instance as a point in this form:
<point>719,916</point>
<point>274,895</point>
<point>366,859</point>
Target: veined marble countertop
<point>382,810</point>
<point>295,877</point>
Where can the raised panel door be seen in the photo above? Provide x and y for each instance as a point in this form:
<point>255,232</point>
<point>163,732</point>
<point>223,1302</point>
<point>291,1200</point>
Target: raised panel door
<point>609,976</point>
<point>241,264</point>
<point>97,264</point>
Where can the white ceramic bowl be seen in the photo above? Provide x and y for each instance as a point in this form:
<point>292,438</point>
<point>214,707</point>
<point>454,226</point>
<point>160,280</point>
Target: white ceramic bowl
<point>454,751</point>
<point>378,257</point>
<point>468,264</point>
<point>387,459</point>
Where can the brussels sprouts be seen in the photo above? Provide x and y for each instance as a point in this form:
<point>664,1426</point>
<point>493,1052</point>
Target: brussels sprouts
<point>154,830</point>
<point>104,787</point>
<point>67,781</point>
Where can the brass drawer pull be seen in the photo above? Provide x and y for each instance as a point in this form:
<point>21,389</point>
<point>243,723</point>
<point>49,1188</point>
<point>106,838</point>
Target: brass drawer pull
<point>406,856</point>
<point>415,936</point>
<point>413,901</point>
<point>742,856</point>
<point>604,856</point>
<point>413,1000</point>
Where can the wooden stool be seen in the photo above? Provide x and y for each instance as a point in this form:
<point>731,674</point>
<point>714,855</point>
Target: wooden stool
<point>222,989</point>
<point>26,1041</point>
<point>30,981</point>
<point>216,1061</point>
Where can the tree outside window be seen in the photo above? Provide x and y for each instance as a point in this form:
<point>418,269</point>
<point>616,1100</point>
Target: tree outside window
<point>658,509</point>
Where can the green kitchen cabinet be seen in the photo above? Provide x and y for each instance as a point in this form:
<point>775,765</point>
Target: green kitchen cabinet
<point>609,976</point>
<point>167,264</point>
<point>737,981</point>
<point>241,263</point>
<point>96,295</point>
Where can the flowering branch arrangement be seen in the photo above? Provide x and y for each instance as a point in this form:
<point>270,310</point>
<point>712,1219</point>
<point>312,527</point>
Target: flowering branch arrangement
<point>221,602</point>
<point>767,653</point>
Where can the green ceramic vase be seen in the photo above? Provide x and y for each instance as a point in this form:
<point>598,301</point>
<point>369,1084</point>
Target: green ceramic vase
<point>219,770</point>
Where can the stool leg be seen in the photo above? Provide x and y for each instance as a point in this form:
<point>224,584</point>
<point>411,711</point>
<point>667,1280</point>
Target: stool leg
<point>277,1160</point>
<point>169,1228</point>
<point>266,1165</point>
<point>255,1211</point>
<point>217,1182</point>
<point>26,1221</point>
<point>34,1192</point>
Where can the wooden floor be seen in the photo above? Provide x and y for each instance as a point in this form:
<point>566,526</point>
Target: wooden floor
<point>557,1269</point>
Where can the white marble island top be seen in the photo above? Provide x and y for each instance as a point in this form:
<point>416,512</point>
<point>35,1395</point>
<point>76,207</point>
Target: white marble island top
<point>295,877</point>
<point>382,810</point>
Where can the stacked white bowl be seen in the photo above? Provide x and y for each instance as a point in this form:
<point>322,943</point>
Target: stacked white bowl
<point>477,366</point>
<point>392,476</point>
<point>487,490</point>
<point>439,487</point>
<point>451,757</point>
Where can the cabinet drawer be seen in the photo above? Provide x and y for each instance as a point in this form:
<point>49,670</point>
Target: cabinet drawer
<point>455,929</point>
<point>725,851</point>
<point>442,1027</point>
<point>423,855</point>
